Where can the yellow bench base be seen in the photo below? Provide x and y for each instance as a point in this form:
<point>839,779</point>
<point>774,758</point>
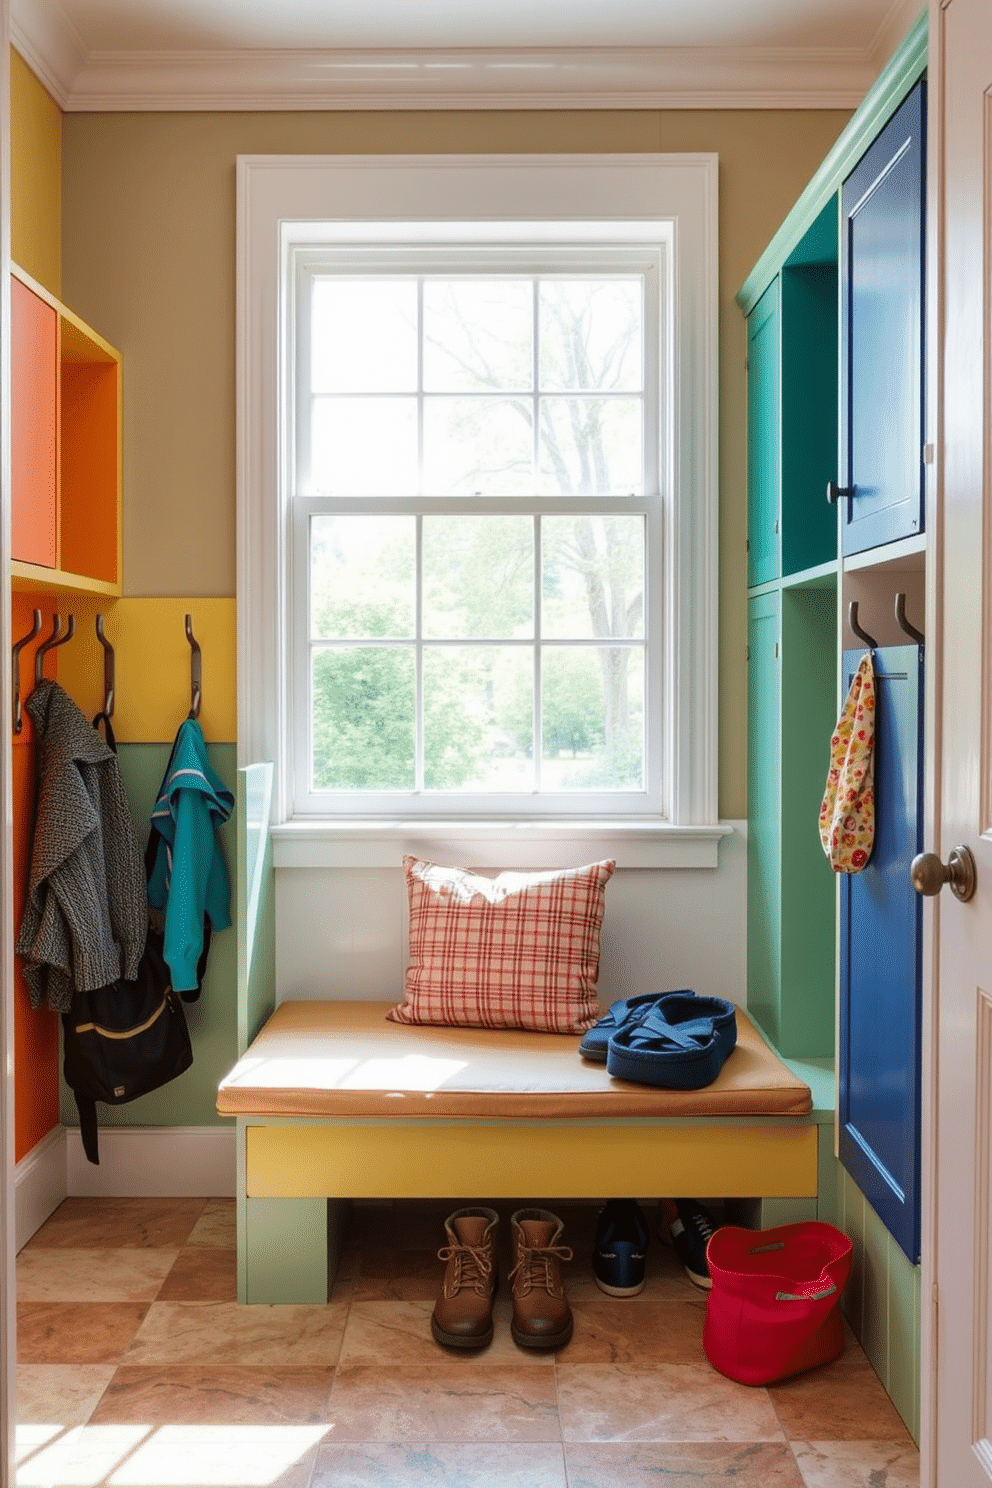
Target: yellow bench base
<point>427,1159</point>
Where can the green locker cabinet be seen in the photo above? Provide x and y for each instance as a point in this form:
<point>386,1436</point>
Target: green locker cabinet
<point>764,830</point>
<point>792,642</point>
<point>763,425</point>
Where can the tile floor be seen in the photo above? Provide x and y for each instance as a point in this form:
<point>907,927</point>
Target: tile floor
<point>138,1370</point>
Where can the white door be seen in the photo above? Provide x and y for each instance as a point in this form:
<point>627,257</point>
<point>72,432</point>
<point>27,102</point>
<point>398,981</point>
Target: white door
<point>960,1372</point>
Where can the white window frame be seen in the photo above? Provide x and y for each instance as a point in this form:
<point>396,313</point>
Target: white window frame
<point>627,199</point>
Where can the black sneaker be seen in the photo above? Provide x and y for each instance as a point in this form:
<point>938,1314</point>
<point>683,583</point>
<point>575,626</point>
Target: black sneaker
<point>687,1226</point>
<point>620,1249</point>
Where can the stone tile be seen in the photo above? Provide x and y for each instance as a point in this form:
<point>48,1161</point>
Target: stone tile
<point>217,1225</point>
<point>86,1224</point>
<point>399,1333</point>
<point>76,1332</point>
<point>224,1333</point>
<point>202,1274</point>
<point>197,1394</point>
<point>858,1464</point>
<point>444,1403</point>
<point>439,1465</point>
<point>398,1275</point>
<point>614,1331</point>
<point>840,1401</point>
<point>57,1275</point>
<point>135,1456</point>
<point>660,1403</point>
<point>681,1465</point>
<point>60,1394</point>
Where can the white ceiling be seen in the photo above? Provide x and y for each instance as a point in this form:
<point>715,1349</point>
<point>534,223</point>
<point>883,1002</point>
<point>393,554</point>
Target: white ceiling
<point>470,53</point>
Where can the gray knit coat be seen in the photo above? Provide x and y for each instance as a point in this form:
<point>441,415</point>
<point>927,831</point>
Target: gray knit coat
<point>86,916</point>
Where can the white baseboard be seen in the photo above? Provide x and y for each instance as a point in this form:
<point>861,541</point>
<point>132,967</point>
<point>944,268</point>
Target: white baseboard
<point>154,1162</point>
<point>40,1185</point>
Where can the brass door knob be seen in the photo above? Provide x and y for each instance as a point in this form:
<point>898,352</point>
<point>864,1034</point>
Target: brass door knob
<point>929,874</point>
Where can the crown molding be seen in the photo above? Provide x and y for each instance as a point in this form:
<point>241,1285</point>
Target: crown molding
<point>50,45</point>
<point>513,78</point>
<point>895,25</point>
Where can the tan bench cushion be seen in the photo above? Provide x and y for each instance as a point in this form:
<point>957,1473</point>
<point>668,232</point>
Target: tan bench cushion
<point>343,1059</point>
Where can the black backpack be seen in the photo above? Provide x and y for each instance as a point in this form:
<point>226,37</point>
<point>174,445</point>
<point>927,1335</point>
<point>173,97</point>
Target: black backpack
<point>126,1038</point>
<point>123,1040</point>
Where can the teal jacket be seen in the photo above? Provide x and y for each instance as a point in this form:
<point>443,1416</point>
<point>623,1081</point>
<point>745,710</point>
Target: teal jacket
<point>189,879</point>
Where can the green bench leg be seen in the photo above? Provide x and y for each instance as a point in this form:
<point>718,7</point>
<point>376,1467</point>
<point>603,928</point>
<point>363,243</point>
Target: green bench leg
<point>285,1251</point>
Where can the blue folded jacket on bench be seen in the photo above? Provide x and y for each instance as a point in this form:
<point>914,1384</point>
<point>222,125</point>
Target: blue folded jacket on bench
<point>674,1040</point>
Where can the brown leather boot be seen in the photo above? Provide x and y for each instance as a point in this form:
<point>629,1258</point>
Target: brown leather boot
<point>463,1314</point>
<point>542,1317</point>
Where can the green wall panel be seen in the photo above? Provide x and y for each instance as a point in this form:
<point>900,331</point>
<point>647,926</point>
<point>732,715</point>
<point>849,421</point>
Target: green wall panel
<point>213,1020</point>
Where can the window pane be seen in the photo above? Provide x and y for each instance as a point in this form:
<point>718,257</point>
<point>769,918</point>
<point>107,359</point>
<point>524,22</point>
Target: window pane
<point>591,447</point>
<point>478,447</point>
<point>478,576</point>
<point>363,718</point>
<point>593,577</point>
<point>593,718</point>
<point>363,336</point>
<point>592,334</point>
<point>478,335</point>
<point>364,447</point>
<point>478,718</point>
<point>362,577</point>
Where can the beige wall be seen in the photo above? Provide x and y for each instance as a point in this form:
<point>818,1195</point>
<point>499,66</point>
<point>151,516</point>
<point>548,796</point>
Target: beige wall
<point>148,259</point>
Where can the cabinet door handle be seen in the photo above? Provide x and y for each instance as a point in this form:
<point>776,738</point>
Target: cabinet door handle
<point>835,492</point>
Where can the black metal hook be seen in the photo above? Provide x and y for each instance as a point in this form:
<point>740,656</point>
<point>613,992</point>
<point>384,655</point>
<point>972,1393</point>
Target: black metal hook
<point>58,637</point>
<point>108,669</point>
<point>15,656</point>
<point>862,635</point>
<point>904,624</point>
<point>195,670</point>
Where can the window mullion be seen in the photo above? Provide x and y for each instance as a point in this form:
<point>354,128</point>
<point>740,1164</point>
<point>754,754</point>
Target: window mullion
<point>418,766</point>
<point>538,654</point>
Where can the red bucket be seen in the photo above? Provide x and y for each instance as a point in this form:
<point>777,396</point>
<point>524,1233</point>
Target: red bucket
<point>774,1309</point>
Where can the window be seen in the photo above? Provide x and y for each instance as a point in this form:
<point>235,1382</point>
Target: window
<point>477,495</point>
<point>480,636</point>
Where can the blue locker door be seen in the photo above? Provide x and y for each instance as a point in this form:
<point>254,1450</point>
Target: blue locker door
<point>881,925</point>
<point>881,406</point>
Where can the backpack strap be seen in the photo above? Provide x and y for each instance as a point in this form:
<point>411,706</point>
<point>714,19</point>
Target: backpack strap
<point>86,1106</point>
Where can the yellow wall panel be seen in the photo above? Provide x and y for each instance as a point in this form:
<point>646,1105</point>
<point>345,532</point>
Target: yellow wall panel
<point>35,177</point>
<point>152,665</point>
<point>581,1161</point>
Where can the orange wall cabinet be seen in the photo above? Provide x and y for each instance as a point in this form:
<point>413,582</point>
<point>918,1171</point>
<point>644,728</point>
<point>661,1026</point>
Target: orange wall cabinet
<point>65,537</point>
<point>66,438</point>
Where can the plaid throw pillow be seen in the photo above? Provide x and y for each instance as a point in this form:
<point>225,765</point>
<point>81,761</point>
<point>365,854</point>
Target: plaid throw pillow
<point>517,951</point>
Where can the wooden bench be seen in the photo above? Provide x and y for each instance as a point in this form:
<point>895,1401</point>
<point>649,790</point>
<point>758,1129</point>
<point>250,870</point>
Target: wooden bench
<point>333,1102</point>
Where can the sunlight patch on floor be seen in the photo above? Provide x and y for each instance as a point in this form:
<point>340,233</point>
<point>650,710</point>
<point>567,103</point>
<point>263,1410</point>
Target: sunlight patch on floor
<point>160,1457</point>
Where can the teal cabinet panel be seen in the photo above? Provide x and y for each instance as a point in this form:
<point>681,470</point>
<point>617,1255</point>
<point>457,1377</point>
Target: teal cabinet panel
<point>764,832</point>
<point>763,425</point>
<point>809,897</point>
<point>808,436</point>
<point>791,893</point>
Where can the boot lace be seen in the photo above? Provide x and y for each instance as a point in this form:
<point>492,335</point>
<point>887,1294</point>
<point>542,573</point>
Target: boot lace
<point>533,1270</point>
<point>473,1268</point>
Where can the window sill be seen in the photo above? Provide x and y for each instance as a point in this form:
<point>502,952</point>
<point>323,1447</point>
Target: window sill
<point>644,843</point>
